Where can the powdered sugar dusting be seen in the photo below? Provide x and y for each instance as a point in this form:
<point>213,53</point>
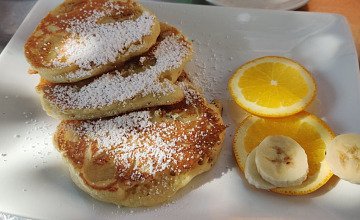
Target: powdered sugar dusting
<point>145,143</point>
<point>190,94</point>
<point>80,73</point>
<point>92,43</point>
<point>133,142</point>
<point>114,87</point>
<point>109,132</point>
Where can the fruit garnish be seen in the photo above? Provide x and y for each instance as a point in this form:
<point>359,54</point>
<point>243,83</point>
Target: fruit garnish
<point>272,87</point>
<point>252,174</point>
<point>281,161</point>
<point>306,129</point>
<point>343,157</point>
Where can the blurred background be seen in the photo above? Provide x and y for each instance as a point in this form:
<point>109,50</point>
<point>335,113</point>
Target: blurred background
<point>12,13</point>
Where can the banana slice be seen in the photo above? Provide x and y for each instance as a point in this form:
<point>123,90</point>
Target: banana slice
<point>343,157</point>
<point>252,175</point>
<point>281,161</point>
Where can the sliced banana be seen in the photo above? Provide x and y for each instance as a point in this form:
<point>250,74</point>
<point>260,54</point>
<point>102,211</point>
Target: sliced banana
<point>281,161</point>
<point>343,157</point>
<point>252,175</point>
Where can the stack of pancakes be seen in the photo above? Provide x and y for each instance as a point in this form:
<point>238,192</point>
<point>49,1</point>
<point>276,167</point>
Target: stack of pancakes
<point>134,129</point>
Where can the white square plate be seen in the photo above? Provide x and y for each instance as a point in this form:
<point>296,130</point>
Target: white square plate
<point>35,183</point>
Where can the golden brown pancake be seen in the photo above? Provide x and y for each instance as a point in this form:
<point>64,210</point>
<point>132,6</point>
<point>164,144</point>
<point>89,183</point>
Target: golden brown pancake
<point>84,38</point>
<point>145,81</point>
<point>143,158</point>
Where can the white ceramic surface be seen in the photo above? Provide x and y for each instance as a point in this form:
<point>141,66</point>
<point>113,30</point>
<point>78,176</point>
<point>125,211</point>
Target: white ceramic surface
<point>261,4</point>
<point>35,183</point>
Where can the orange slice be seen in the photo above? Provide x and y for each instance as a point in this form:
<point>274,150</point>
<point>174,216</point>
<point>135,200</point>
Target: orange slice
<point>272,87</point>
<point>308,130</point>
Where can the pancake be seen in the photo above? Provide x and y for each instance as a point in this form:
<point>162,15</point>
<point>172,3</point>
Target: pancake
<point>80,39</point>
<point>143,158</point>
<point>144,81</point>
